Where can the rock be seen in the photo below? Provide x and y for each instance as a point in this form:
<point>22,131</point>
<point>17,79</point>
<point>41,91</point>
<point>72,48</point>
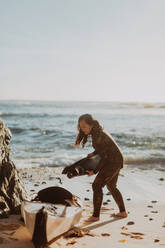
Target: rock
<point>133,235</point>
<point>150,219</point>
<point>86,199</point>
<point>155,212</point>
<point>153,201</point>
<point>71,242</point>
<point>163,224</point>
<point>130,223</point>
<point>108,200</point>
<point>1,240</point>
<point>88,190</point>
<point>149,206</point>
<point>12,190</point>
<point>137,233</point>
<point>36,184</point>
<point>125,234</point>
<point>161,179</point>
<point>145,215</point>
<point>91,234</point>
<point>124,228</point>
<point>156,240</point>
<point>59,180</point>
<point>105,203</point>
<point>105,234</point>
<point>136,237</point>
<point>128,199</point>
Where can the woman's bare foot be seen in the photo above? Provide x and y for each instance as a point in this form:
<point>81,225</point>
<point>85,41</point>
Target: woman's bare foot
<point>120,214</point>
<point>92,219</point>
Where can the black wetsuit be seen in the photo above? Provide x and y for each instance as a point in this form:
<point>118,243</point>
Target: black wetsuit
<point>108,170</point>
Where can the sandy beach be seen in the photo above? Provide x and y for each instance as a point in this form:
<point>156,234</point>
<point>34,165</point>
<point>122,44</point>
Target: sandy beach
<point>143,195</point>
<point>77,79</point>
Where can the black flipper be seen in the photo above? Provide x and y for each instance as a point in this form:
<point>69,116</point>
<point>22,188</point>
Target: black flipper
<point>80,167</point>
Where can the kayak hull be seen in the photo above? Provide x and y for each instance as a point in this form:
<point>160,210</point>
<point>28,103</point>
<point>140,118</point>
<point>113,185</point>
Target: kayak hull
<point>59,218</point>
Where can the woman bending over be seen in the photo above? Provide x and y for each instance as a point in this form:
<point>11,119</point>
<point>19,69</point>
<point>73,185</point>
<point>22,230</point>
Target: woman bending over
<point>108,168</point>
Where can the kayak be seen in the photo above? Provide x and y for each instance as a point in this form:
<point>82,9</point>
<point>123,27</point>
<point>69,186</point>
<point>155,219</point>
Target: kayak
<point>46,221</point>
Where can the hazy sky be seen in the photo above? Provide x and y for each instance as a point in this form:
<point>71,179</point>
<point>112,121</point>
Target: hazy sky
<point>101,50</point>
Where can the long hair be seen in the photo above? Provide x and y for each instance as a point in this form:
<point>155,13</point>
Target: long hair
<point>96,128</point>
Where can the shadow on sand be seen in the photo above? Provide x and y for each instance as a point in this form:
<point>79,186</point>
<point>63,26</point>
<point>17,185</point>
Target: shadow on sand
<point>87,226</point>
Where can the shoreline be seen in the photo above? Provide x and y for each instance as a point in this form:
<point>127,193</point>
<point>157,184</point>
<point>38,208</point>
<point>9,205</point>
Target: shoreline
<point>139,185</point>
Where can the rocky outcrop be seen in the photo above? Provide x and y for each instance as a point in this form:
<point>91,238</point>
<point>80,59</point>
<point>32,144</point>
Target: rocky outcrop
<point>12,190</point>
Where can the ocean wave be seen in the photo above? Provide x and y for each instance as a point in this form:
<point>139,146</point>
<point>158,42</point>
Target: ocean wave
<point>15,130</point>
<point>40,132</point>
<point>36,115</point>
<point>141,163</point>
<point>138,105</point>
<point>60,159</point>
<point>145,161</point>
<point>26,115</point>
<point>147,142</point>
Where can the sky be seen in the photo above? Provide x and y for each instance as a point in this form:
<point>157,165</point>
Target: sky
<point>86,50</point>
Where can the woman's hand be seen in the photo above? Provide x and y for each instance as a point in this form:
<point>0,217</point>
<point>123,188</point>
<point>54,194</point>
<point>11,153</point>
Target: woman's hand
<point>90,155</point>
<point>90,173</point>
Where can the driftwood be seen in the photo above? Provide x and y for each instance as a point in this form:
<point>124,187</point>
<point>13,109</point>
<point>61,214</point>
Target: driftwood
<point>12,190</point>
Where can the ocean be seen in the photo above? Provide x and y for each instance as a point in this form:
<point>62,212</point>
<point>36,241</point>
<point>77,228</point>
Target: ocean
<point>43,133</point>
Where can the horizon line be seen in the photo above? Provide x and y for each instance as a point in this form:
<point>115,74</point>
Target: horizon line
<point>95,101</point>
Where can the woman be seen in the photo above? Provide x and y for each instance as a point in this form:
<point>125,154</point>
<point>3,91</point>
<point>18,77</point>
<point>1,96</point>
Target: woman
<point>109,166</point>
